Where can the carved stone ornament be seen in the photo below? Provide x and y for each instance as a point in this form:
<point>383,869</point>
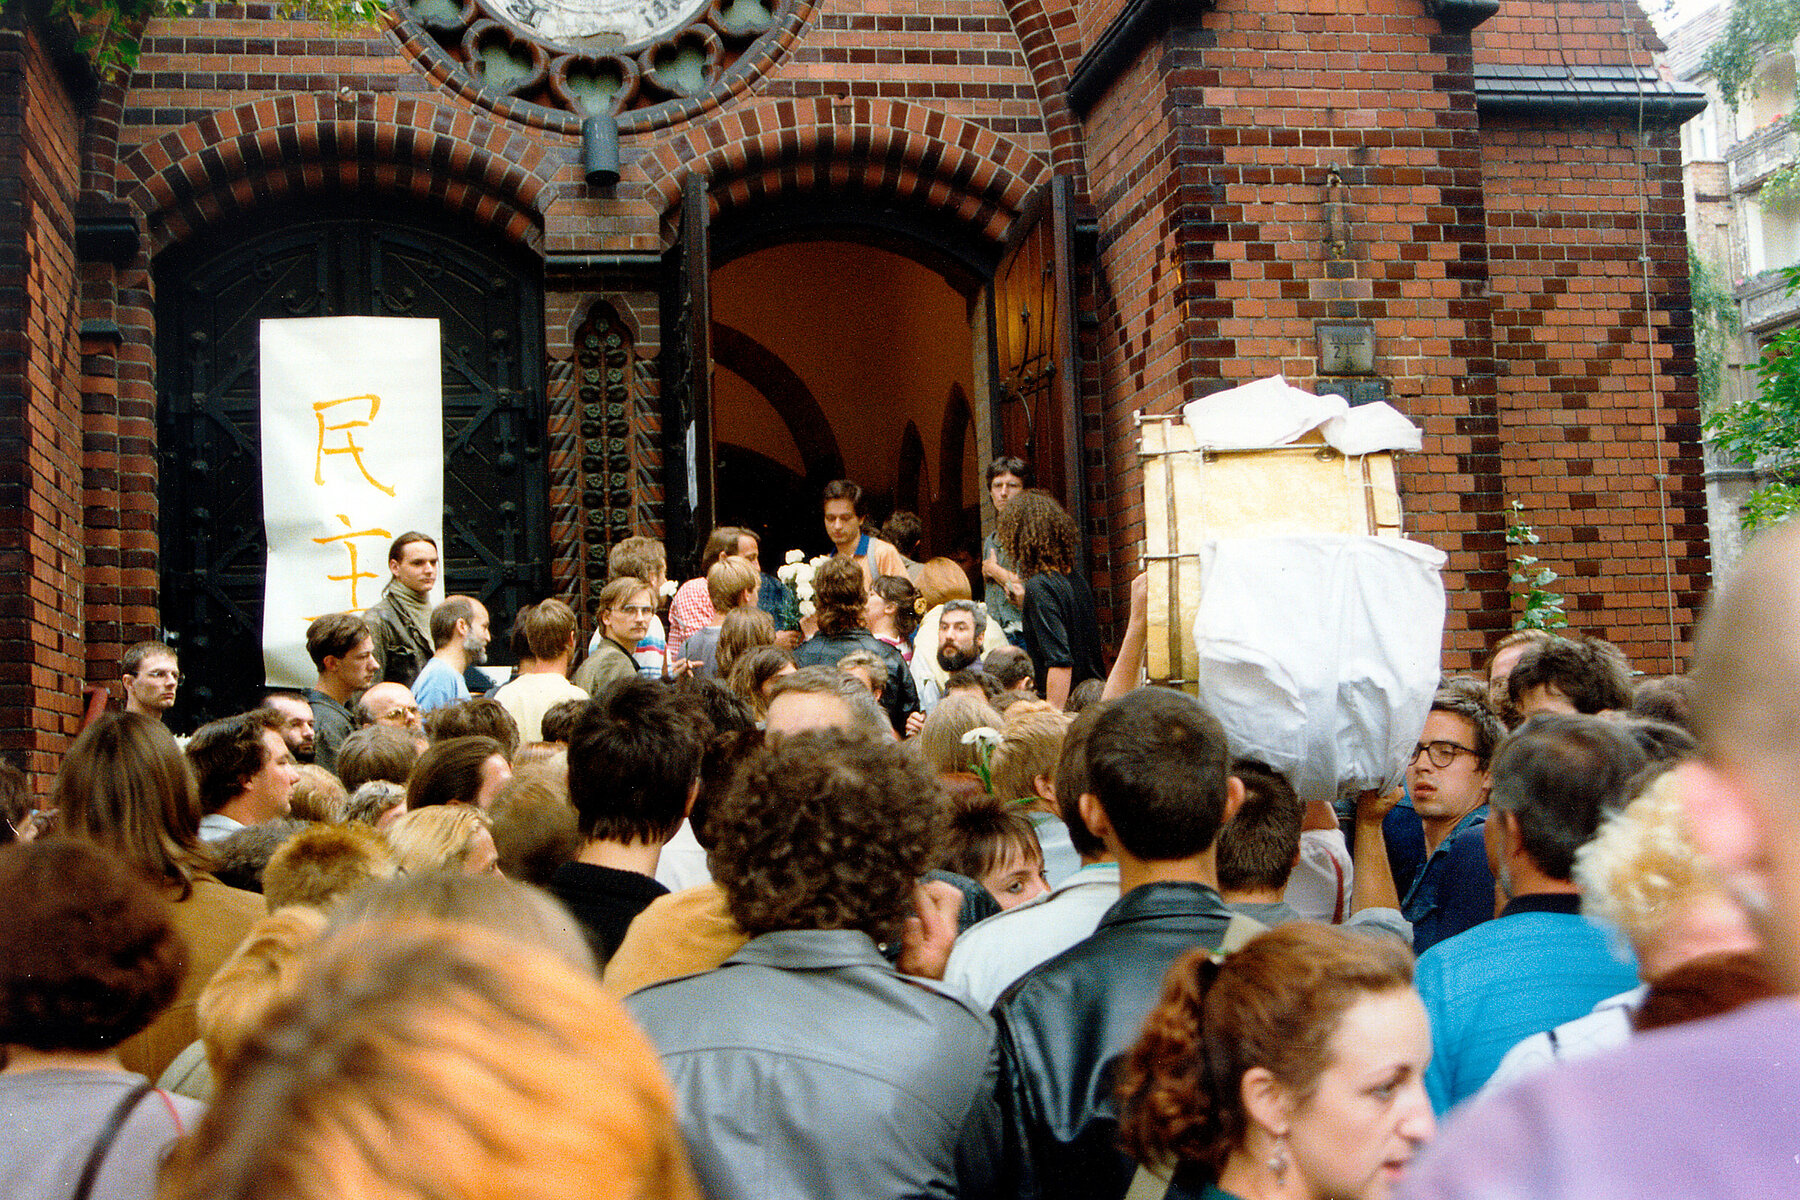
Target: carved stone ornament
<point>554,62</point>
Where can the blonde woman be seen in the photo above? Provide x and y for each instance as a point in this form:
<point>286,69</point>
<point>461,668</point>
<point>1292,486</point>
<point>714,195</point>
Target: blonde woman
<point>423,1059</point>
<point>941,742</point>
<point>1642,875</point>
<point>445,837</point>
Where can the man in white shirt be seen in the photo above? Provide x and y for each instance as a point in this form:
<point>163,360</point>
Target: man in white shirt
<point>544,639</point>
<point>992,954</point>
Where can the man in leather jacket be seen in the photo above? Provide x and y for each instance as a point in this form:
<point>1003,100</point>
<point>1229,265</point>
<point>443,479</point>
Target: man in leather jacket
<point>401,619</point>
<point>1161,788</point>
<point>806,1067</point>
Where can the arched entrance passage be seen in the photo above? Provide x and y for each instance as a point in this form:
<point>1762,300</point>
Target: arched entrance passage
<point>844,343</point>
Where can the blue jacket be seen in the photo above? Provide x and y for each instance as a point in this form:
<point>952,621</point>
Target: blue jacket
<point>1453,890</point>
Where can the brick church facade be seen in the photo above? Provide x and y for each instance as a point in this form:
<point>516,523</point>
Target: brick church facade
<point>1485,197</point>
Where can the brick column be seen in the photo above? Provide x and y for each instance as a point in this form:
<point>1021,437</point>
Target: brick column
<point>41,536</point>
<point>1210,157</point>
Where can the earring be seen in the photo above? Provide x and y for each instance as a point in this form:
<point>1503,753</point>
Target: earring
<point>1278,1160</point>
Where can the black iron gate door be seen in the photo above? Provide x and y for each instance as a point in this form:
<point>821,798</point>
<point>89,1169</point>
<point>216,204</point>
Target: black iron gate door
<point>686,372</point>
<point>321,262</point>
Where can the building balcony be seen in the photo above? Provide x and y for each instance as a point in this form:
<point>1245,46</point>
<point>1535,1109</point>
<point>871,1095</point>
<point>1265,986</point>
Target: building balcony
<point>1766,150</point>
<point>1764,301</point>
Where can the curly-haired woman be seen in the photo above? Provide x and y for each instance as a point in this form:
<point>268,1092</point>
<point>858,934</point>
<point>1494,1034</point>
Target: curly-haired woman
<point>1061,634</point>
<point>806,1066</point>
<point>1296,1068</point>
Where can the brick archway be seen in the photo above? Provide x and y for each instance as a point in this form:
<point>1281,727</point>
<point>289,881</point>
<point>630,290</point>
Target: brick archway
<point>241,158</point>
<point>759,152</point>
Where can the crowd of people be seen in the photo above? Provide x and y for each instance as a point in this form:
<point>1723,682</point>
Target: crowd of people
<point>909,896</point>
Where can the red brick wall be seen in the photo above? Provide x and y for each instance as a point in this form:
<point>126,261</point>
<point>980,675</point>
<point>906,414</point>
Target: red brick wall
<point>1203,168</point>
<point>41,534</point>
<point>203,130</point>
<point>1585,413</point>
<point>1145,314</point>
<point>1208,164</point>
<point>118,399</point>
<point>1588,422</point>
<point>1565,33</point>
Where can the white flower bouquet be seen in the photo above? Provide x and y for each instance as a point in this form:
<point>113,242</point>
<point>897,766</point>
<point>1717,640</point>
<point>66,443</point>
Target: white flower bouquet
<point>796,574</point>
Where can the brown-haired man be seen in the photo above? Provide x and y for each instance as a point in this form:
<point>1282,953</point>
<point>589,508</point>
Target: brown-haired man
<point>151,676</point>
<point>844,511</point>
<point>343,648</point>
<point>245,772</point>
<point>459,638</point>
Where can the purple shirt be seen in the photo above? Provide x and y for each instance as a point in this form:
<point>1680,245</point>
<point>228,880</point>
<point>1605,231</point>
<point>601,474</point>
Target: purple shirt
<point>1703,1112</point>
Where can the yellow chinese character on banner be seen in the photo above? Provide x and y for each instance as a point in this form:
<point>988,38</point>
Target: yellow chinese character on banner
<point>349,447</point>
<point>349,545</point>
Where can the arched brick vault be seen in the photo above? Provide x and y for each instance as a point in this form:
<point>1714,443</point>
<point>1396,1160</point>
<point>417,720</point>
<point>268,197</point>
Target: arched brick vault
<point>240,158</point>
<point>1046,29</point>
<point>904,151</point>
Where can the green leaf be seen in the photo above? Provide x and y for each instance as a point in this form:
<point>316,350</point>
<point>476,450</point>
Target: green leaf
<point>1763,429</point>
<point>110,32</point>
<point>1752,27</point>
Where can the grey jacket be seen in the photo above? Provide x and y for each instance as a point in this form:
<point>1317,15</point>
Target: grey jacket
<point>400,648</point>
<point>807,1067</point>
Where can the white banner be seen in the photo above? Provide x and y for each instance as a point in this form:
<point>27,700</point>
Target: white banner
<point>352,455</point>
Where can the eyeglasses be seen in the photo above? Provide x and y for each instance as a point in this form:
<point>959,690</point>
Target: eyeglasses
<point>160,675</point>
<point>1440,754</point>
<point>405,710</point>
<point>637,610</point>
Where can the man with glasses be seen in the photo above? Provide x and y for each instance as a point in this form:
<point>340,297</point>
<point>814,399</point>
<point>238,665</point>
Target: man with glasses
<point>626,607</point>
<point>1439,861</point>
<point>390,704</point>
<point>1706,1111</point>
<point>152,674</point>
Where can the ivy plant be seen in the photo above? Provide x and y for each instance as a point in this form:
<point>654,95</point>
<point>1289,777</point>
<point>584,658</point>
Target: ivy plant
<point>1542,608</point>
<point>110,32</point>
<point>1781,188</point>
<point>1715,324</point>
<point>1764,428</point>
<point>1753,27</point>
